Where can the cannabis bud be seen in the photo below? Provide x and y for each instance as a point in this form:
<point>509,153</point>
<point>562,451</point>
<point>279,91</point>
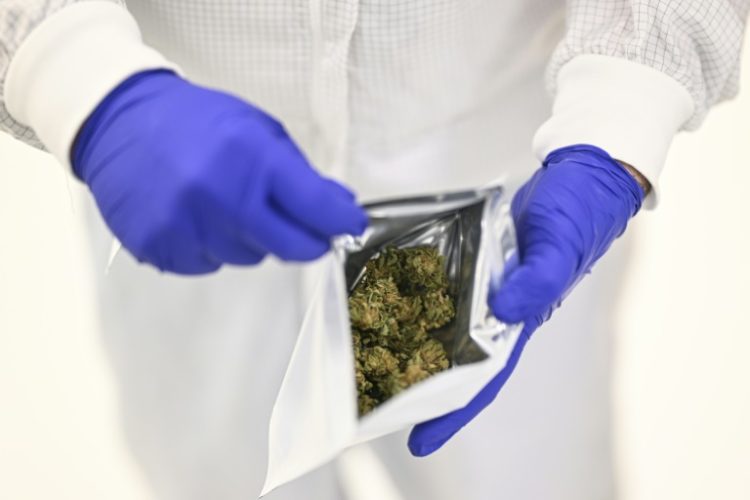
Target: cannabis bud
<point>402,295</point>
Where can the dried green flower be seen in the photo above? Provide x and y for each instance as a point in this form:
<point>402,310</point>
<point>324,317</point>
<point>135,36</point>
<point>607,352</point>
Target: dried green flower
<point>438,309</point>
<point>424,270</point>
<point>366,403</point>
<point>402,295</point>
<point>378,361</point>
<point>430,356</point>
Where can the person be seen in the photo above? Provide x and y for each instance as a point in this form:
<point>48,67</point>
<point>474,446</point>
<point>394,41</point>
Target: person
<point>171,112</point>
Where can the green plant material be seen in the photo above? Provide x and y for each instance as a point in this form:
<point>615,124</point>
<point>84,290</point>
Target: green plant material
<point>402,295</point>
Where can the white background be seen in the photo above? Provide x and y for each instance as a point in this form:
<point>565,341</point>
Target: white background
<point>682,390</point>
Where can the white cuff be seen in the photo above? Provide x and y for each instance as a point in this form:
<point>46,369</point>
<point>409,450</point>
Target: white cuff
<point>68,64</point>
<point>628,109</point>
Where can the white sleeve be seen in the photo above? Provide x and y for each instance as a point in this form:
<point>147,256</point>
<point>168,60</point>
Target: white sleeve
<point>17,19</point>
<point>58,60</point>
<point>630,74</point>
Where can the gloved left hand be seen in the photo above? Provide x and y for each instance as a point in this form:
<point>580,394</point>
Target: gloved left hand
<point>566,217</point>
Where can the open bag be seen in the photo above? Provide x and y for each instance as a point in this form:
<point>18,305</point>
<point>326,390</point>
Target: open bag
<point>315,416</point>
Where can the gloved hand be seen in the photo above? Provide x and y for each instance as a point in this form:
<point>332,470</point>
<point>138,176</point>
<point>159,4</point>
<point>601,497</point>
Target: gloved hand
<point>189,179</point>
<point>566,218</point>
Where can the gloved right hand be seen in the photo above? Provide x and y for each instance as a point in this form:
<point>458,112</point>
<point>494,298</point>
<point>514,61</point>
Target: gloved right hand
<point>189,179</point>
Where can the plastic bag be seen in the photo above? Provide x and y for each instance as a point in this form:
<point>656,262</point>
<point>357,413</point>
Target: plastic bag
<point>315,416</point>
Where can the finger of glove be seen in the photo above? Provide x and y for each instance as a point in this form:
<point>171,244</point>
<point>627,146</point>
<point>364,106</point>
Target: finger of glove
<point>314,202</point>
<point>178,259</point>
<point>171,247</point>
<point>276,233</point>
<point>428,437</point>
<point>340,190</point>
<point>192,266</point>
<point>221,232</point>
<point>230,249</point>
<point>535,286</point>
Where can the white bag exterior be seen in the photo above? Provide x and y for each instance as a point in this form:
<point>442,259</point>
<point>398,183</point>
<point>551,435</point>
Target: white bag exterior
<point>315,416</point>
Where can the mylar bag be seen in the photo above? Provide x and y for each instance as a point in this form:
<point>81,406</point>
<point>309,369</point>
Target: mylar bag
<point>315,415</point>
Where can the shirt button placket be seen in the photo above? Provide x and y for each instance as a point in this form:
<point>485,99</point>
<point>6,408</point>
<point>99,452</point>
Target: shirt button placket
<point>333,24</point>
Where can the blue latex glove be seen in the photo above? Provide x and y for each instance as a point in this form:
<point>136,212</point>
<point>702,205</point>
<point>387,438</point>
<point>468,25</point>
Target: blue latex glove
<point>566,218</point>
<point>189,179</point>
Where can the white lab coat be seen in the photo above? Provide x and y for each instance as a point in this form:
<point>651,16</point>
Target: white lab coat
<point>393,97</point>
